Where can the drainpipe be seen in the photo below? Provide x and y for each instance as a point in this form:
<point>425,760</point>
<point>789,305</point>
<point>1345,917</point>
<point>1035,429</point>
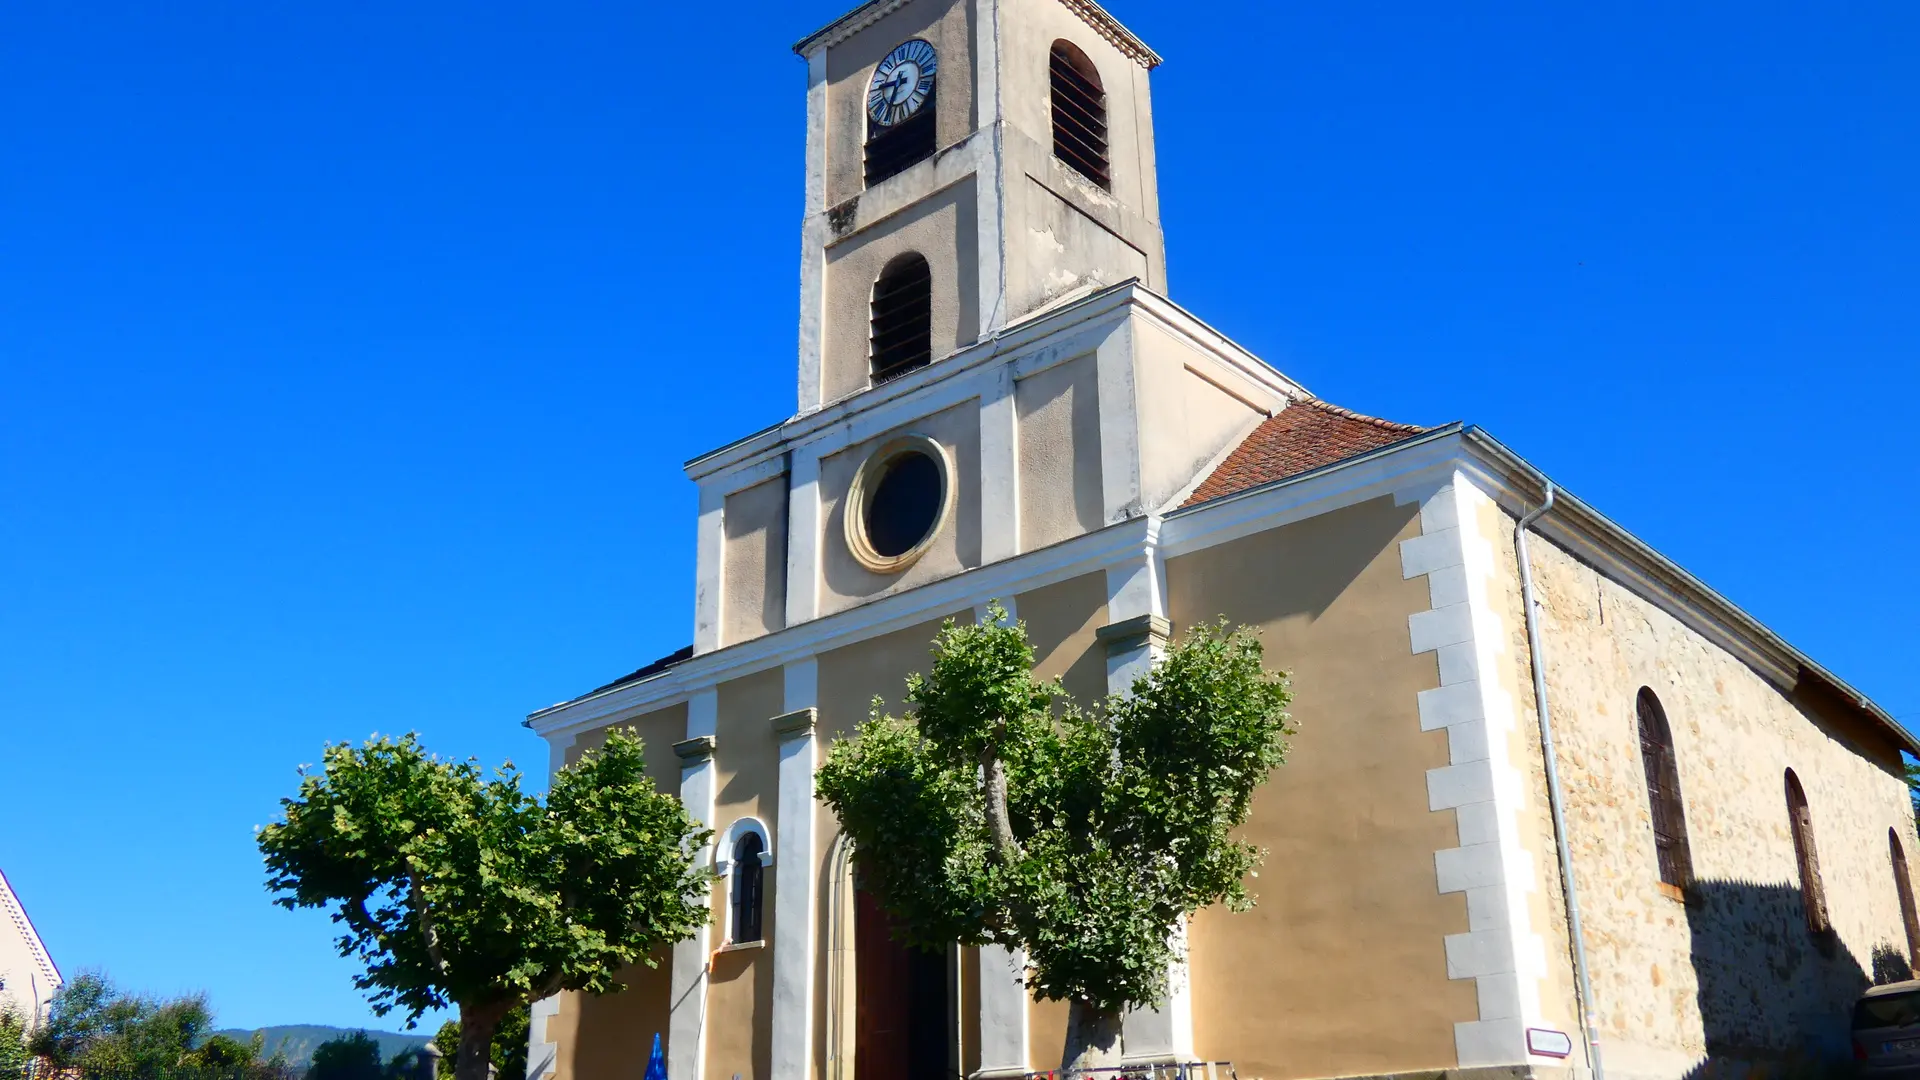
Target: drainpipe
<point>1536,659</point>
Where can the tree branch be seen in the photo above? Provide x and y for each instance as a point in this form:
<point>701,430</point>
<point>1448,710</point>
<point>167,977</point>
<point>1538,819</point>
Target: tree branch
<point>999,822</point>
<point>418,898</point>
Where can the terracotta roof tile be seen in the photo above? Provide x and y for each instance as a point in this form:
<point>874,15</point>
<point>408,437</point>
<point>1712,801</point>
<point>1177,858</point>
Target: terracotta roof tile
<point>1299,438</point>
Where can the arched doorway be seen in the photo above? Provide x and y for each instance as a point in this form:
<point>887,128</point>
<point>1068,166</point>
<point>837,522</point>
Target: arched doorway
<point>903,1002</point>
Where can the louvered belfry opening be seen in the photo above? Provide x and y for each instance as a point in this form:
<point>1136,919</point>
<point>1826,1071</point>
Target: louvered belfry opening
<point>894,150</point>
<point>1079,114</point>
<point>1663,792</point>
<point>902,314</point>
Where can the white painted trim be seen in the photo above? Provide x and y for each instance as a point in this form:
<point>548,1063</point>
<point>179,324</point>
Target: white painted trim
<point>911,190</point>
<point>1119,426</point>
<point>687,1017</point>
<point>723,851</point>
<point>709,560</point>
<point>543,1053</point>
<point>805,531</point>
<point>1030,334</point>
<point>1086,554</point>
<point>1501,951</point>
<point>999,470</point>
<point>1003,1010</point>
<point>813,239</point>
<point>795,904</point>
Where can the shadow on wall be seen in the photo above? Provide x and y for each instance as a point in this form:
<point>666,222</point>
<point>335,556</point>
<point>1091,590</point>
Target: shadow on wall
<point>1773,993</point>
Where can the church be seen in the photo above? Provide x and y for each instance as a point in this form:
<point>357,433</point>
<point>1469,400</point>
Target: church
<point>1555,805</point>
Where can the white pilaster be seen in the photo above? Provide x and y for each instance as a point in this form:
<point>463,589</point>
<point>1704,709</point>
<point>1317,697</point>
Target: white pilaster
<point>1119,425</point>
<point>1134,637</point>
<point>709,555</point>
<point>687,1020</point>
<point>813,237</point>
<point>1500,951</point>
<point>803,536</point>
<point>991,187</point>
<point>793,887</point>
<point>1003,1012</point>
<point>999,469</point>
<point>543,1054</point>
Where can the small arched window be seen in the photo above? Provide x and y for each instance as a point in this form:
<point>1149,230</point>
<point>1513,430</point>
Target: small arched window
<point>1663,792</point>
<point>1903,883</point>
<point>902,318</point>
<point>1812,893</point>
<point>1079,113</point>
<point>747,892</point>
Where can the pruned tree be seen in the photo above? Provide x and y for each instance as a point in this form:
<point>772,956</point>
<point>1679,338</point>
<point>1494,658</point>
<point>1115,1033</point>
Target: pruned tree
<point>458,890</point>
<point>997,811</point>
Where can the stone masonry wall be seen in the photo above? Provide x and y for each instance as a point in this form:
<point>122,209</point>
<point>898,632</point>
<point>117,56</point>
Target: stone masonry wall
<point>1732,973</point>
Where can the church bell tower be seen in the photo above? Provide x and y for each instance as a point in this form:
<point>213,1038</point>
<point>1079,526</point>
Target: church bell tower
<point>969,162</point>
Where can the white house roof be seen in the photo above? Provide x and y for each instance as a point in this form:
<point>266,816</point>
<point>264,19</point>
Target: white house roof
<point>14,921</point>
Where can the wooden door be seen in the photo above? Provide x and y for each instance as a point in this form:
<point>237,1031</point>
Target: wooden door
<point>903,1015</point>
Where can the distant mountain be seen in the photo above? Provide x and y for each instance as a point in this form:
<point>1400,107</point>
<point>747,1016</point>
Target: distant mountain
<point>298,1040</point>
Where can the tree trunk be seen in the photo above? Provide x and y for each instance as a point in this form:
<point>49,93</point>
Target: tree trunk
<point>477,1024</point>
<point>1093,1039</point>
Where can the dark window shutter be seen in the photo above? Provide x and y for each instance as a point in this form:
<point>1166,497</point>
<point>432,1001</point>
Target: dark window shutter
<point>1812,893</point>
<point>1663,792</point>
<point>902,318</point>
<point>894,150</point>
<point>1903,883</point>
<point>1079,113</point>
<point>747,877</point>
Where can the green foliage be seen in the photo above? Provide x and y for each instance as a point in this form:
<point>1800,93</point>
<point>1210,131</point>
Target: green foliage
<point>96,1032</point>
<point>1121,820</point>
<point>509,1052</point>
<point>226,1052</point>
<point>455,889</point>
<point>349,1057</point>
<point>15,1058</point>
<point>296,1042</point>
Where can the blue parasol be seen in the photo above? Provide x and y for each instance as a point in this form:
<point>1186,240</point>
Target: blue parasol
<point>657,1062</point>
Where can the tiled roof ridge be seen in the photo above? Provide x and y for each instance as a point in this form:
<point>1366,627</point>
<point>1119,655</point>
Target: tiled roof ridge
<point>1385,425</point>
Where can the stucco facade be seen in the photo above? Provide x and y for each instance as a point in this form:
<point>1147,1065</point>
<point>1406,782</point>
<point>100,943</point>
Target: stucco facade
<point>1110,466</point>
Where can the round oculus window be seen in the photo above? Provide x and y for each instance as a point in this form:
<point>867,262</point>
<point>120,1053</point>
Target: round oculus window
<point>898,503</point>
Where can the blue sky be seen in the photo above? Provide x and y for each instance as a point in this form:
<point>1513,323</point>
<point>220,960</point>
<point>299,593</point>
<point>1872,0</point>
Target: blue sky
<point>349,353</point>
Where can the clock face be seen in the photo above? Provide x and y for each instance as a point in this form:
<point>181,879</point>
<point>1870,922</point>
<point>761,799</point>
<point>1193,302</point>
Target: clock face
<point>901,84</point>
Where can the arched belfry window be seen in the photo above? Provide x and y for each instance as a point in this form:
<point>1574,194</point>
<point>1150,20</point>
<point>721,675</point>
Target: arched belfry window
<point>1663,792</point>
<point>1903,883</point>
<point>1812,893</point>
<point>900,110</point>
<point>902,318</point>
<point>1079,113</point>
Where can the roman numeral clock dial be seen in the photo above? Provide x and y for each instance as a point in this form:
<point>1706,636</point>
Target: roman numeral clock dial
<point>901,84</point>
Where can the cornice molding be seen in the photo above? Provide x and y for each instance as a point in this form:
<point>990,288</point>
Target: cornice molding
<point>696,750</point>
<point>1032,333</point>
<point>1117,35</point>
<point>847,25</point>
<point>1089,12</point>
